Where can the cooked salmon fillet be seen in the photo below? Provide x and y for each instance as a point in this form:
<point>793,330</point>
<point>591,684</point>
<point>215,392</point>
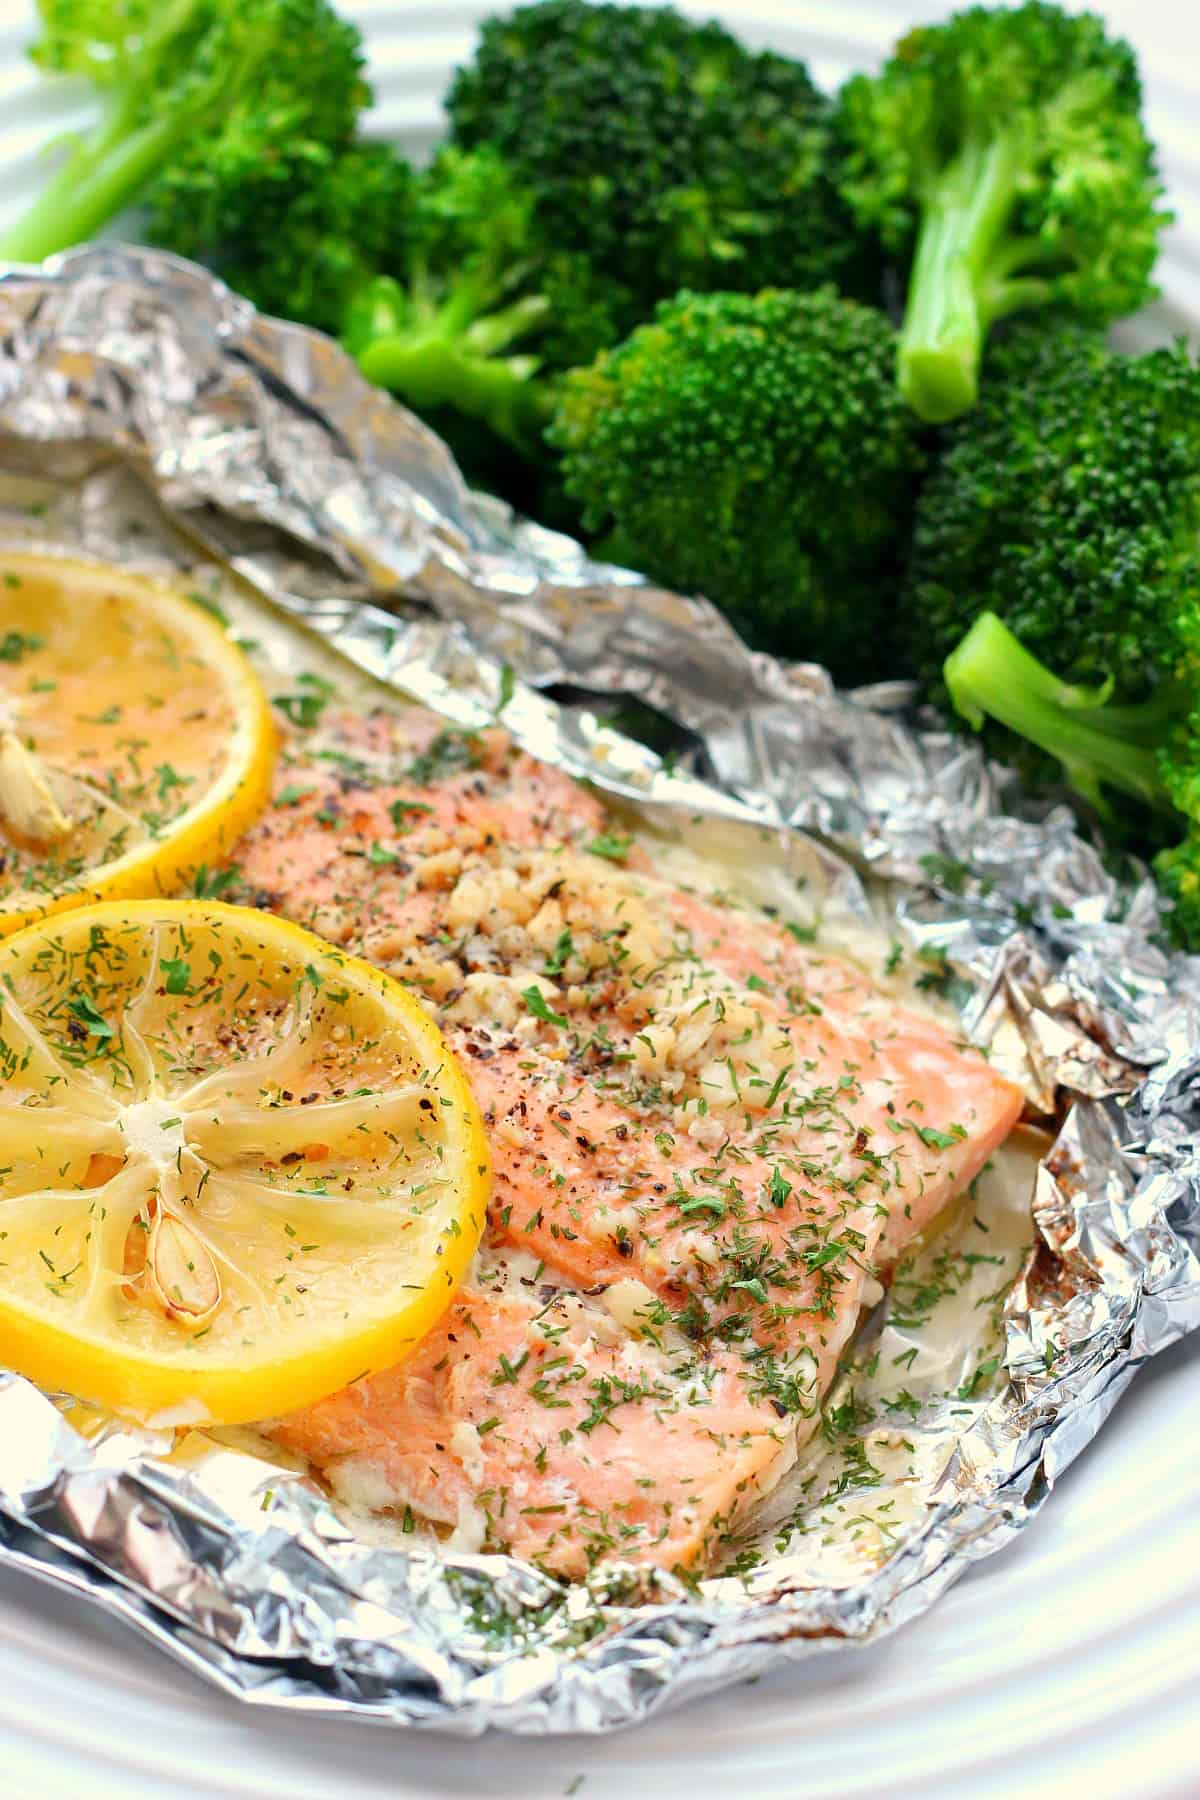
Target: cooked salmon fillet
<point>708,1136</point>
<point>544,1426</point>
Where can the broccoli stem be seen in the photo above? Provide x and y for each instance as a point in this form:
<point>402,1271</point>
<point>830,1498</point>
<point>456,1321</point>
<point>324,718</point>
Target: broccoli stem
<point>450,355</point>
<point>114,164</point>
<point>1099,746</point>
<point>428,370</point>
<point>964,214</point>
<point>102,176</point>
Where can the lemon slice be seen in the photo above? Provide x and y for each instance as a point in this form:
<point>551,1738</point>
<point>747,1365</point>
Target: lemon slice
<point>136,741</point>
<point>239,1168</point>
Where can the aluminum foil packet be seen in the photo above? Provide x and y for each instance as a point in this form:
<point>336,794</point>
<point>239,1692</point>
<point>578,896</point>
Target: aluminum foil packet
<point>174,422</point>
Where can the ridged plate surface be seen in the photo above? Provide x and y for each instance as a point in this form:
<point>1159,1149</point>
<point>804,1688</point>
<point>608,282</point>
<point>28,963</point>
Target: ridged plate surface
<point>1068,1666</point>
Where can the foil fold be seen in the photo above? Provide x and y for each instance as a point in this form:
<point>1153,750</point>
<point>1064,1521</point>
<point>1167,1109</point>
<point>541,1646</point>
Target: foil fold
<point>159,403</point>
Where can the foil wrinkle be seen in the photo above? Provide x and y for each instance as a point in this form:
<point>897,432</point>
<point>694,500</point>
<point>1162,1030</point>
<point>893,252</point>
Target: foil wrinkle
<point>160,403</point>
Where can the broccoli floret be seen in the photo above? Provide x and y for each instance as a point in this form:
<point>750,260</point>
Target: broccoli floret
<point>308,250</point>
<point>754,448</point>
<point>1102,747</point>
<point>1084,585</point>
<point>291,125</point>
<point>489,309</point>
<point>1149,753</point>
<point>663,150</point>
<point>1067,502</point>
<point>234,122</point>
<point>209,105</point>
<point>1004,151</point>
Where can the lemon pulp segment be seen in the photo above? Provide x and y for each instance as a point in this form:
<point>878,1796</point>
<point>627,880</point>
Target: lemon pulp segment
<point>136,742</point>
<point>239,1168</point>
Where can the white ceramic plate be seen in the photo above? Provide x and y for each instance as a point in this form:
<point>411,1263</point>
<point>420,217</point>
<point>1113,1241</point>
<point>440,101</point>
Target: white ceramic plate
<point>1067,1666</point>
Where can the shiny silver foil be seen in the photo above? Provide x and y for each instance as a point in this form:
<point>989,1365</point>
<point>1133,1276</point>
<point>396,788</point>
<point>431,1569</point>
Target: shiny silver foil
<point>171,417</point>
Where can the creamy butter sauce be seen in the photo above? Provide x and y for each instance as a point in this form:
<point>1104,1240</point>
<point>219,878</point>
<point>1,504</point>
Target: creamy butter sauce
<point>929,1362</point>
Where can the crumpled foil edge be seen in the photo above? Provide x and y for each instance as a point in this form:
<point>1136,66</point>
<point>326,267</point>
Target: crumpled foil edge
<point>261,442</point>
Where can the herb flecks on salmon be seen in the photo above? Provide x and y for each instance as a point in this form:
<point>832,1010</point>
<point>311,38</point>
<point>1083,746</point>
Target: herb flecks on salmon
<point>541,1426</point>
<point>707,1136</point>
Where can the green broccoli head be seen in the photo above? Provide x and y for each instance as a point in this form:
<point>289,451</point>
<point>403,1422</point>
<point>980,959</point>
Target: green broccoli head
<point>1147,753</point>
<point>754,448</point>
<point>477,228</point>
<point>488,309</point>
<point>305,250</point>
<point>213,109</point>
<point>1060,535</point>
<point>1004,152</point>
<point>1068,503</point>
<point>662,149</point>
<point>234,185</point>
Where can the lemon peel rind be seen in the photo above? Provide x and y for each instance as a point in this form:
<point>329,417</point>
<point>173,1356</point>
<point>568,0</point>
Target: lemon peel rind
<point>183,1388</point>
<point>205,833</point>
